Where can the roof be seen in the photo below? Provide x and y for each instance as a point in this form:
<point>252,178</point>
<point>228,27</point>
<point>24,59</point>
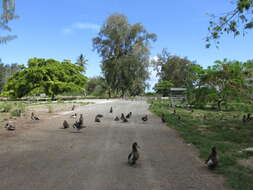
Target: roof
<point>178,89</point>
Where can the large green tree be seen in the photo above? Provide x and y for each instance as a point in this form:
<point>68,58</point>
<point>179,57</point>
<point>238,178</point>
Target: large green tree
<point>163,87</point>
<point>96,86</point>
<point>124,49</point>
<point>180,71</point>
<point>7,71</point>
<point>7,13</point>
<point>236,22</point>
<point>46,76</point>
<point>224,82</point>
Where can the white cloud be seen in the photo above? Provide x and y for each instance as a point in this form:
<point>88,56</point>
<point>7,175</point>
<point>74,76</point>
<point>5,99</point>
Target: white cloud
<point>153,79</point>
<point>81,26</point>
<point>66,30</point>
<point>89,26</point>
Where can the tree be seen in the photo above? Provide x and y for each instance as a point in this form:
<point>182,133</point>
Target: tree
<point>163,87</point>
<point>82,62</point>
<point>7,71</point>
<point>225,81</point>
<point>45,76</point>
<point>237,22</point>
<point>96,86</point>
<point>8,9</point>
<point>180,71</point>
<point>124,49</point>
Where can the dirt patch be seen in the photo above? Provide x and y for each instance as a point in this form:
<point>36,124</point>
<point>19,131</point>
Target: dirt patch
<point>247,163</point>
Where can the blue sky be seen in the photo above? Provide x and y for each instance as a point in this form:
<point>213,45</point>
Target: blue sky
<point>63,29</point>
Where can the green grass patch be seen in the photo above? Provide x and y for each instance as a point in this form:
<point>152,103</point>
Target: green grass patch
<point>225,130</point>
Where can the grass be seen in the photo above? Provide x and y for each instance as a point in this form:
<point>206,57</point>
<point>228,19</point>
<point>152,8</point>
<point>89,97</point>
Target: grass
<point>224,130</point>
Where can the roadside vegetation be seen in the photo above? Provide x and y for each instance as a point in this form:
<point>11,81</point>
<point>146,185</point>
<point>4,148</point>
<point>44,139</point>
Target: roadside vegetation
<point>205,128</point>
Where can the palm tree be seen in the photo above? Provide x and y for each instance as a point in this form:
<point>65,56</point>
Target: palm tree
<point>82,62</point>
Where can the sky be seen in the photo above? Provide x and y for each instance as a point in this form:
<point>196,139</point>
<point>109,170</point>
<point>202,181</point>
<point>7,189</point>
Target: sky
<point>63,29</point>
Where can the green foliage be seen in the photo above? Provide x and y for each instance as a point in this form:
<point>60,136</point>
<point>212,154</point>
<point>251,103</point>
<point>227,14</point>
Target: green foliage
<point>124,49</point>
<point>16,113</point>
<point>45,76</point>
<point>236,22</point>
<point>180,71</point>
<point>224,82</point>
<point>163,87</point>
<point>96,86</point>
<point>6,107</point>
<point>82,62</point>
<point>6,71</point>
<point>227,134</point>
<point>8,10</point>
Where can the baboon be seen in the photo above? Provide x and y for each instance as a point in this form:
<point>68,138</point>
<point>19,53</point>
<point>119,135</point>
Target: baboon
<point>212,160</point>
<point>111,110</point>
<point>9,127</point>
<point>65,124</point>
<point>116,118</point>
<point>134,155</point>
<point>174,111</point>
<point>179,118</point>
<point>145,118</point>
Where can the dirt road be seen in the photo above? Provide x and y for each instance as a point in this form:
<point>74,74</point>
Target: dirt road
<point>46,157</point>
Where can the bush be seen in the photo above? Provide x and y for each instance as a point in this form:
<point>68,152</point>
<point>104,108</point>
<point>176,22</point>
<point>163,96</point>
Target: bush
<point>7,107</point>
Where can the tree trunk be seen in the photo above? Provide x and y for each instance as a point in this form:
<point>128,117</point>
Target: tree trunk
<point>109,93</point>
<point>219,105</point>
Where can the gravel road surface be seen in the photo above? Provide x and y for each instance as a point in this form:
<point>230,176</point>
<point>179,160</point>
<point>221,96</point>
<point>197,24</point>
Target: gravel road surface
<point>46,157</point>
